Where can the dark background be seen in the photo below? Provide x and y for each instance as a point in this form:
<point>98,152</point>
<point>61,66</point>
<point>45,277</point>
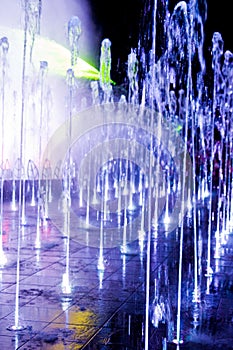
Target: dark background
<point>121,22</point>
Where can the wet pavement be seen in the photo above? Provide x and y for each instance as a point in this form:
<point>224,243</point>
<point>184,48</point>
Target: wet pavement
<point>56,296</point>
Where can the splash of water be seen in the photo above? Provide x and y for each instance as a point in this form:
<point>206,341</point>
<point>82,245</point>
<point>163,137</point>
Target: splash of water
<point>74,32</point>
<point>105,69</point>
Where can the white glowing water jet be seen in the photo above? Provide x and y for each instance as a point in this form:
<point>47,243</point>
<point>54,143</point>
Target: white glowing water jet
<point>4,45</point>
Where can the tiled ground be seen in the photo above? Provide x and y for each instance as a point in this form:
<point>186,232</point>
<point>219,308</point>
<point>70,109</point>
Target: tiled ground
<point>106,310</point>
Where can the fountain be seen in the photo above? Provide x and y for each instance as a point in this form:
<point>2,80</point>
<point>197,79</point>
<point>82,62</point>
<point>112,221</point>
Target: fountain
<point>122,168</point>
<point>182,95</point>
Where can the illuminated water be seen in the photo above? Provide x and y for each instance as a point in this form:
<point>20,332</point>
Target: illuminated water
<point>121,168</point>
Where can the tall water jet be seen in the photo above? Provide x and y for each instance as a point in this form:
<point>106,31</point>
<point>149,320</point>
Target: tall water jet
<point>4,46</point>
<point>74,32</point>
<point>33,176</point>
<point>132,73</point>
<point>34,9</point>
<point>184,32</point>
<point>16,326</point>
<point>40,190</point>
<point>216,52</point>
<point>152,218</point>
<point>105,70</point>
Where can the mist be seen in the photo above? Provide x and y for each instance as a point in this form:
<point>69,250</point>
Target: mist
<point>54,19</point>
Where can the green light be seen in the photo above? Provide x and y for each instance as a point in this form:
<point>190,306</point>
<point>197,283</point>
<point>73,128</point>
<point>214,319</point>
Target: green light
<point>179,128</point>
<point>57,56</point>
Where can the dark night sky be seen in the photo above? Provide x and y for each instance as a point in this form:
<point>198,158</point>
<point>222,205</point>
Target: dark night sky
<point>120,22</point>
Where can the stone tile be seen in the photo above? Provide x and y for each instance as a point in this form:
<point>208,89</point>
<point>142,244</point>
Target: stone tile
<point>107,308</point>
